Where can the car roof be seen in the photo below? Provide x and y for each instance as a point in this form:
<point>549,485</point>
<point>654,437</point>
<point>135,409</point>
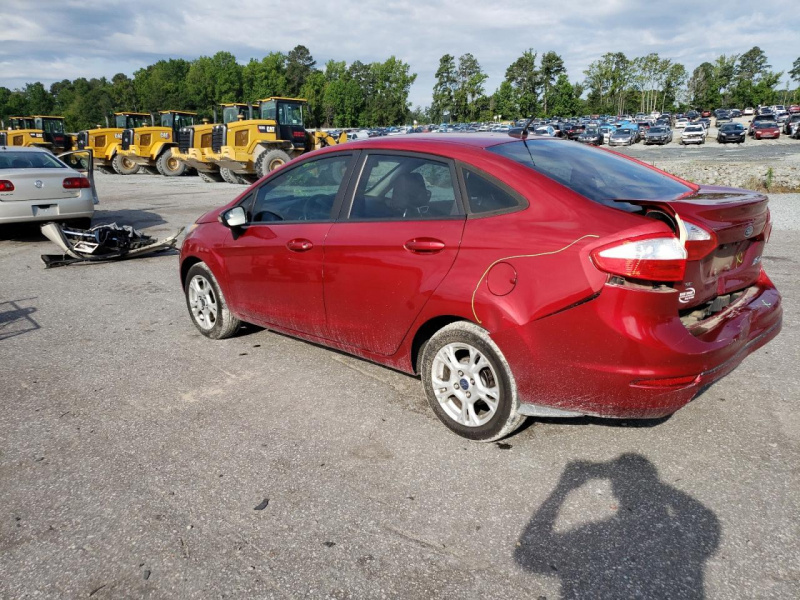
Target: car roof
<point>419,141</point>
<point>23,149</point>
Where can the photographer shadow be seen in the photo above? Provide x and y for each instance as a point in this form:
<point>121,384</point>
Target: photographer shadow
<point>654,546</point>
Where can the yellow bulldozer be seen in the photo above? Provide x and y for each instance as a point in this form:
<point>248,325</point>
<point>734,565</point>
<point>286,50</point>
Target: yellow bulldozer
<point>152,146</point>
<point>104,142</point>
<point>194,141</point>
<point>262,139</point>
<point>37,130</point>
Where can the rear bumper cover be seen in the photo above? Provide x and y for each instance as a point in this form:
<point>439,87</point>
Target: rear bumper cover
<point>605,357</point>
<point>60,209</point>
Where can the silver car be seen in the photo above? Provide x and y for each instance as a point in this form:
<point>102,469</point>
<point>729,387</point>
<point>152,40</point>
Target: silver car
<point>621,137</point>
<point>37,186</point>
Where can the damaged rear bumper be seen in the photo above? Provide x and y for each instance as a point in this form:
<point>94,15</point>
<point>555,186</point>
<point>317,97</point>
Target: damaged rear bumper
<point>618,356</point>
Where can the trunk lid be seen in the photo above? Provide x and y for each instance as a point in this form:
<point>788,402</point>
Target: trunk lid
<point>740,221</point>
<point>33,185</point>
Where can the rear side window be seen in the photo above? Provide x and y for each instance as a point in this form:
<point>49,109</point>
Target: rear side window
<point>29,160</point>
<point>486,196</point>
<point>593,173</point>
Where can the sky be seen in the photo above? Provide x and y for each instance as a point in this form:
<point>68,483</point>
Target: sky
<point>47,40</point>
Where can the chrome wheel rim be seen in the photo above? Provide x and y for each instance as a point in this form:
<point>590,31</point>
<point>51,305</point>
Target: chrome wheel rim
<point>203,302</point>
<point>466,384</point>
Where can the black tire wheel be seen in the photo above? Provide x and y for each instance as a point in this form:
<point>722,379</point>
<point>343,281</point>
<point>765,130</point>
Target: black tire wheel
<point>228,175</point>
<point>269,160</point>
<point>210,176</point>
<point>469,384</point>
<point>169,166</point>
<point>123,165</point>
<point>207,305</point>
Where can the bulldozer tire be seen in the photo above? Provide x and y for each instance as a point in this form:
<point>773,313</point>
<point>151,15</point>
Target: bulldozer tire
<point>123,165</point>
<point>269,160</point>
<point>228,175</point>
<point>210,177</point>
<point>246,179</point>
<point>169,166</point>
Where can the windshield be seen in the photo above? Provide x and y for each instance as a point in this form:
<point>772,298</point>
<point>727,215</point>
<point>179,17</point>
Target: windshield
<point>131,121</point>
<point>732,127</point>
<point>765,125</point>
<point>268,110</point>
<point>694,129</point>
<point>29,160</point>
<point>231,114</point>
<point>622,133</point>
<point>658,130</point>
<point>596,174</point>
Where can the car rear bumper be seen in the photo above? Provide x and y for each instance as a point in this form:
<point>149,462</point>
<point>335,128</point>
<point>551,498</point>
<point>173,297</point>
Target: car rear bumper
<point>618,356</point>
<point>24,211</point>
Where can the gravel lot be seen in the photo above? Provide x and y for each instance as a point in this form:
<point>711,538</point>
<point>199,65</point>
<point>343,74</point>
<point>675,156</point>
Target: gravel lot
<point>141,460</point>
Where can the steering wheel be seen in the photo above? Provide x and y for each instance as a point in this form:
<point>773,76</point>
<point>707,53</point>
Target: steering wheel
<point>315,207</point>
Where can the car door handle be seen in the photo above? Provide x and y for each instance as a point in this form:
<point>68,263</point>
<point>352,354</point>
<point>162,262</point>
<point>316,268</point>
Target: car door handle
<point>424,246</point>
<point>299,245</point>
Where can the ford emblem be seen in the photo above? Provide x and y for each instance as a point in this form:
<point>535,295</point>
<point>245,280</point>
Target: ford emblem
<point>748,231</point>
<point>38,184</point>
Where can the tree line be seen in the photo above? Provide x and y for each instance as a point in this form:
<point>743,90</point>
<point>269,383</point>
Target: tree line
<point>614,84</point>
<point>375,94</point>
<point>339,95</point>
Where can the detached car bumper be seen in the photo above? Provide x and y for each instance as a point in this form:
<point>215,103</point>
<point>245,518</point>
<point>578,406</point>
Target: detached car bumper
<point>641,366</point>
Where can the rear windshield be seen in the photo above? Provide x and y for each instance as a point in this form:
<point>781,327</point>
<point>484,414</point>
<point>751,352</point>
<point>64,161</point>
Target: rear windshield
<point>29,160</point>
<point>598,175</point>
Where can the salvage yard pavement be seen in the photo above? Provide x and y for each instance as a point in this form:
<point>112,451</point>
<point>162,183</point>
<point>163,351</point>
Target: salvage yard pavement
<point>140,459</point>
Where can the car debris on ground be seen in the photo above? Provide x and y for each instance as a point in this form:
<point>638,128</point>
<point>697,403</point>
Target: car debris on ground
<point>101,243</point>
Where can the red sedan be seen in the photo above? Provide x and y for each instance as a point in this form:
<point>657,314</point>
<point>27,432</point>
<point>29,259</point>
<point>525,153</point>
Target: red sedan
<point>517,277</point>
<point>763,130</point>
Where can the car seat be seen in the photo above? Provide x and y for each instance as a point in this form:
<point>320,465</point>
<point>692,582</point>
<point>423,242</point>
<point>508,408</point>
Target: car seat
<point>410,196</point>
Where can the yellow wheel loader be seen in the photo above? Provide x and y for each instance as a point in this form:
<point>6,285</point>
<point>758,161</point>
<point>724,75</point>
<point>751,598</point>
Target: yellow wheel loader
<point>151,147</point>
<point>104,142</point>
<point>194,141</point>
<point>270,135</point>
<point>37,130</point>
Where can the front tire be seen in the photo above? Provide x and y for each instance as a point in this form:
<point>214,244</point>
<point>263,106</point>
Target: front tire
<point>469,383</point>
<point>207,305</point>
<point>123,165</point>
<point>270,160</point>
<point>169,166</point>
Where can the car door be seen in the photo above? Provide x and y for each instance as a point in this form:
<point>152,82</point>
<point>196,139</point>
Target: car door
<point>396,239</point>
<point>274,264</point>
<point>83,162</point>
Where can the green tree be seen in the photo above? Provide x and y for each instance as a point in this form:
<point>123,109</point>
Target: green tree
<point>505,101</point>
<point>795,72</point>
<point>565,100</point>
<point>551,67</point>
<point>608,80</point>
<point>469,88</point>
<point>162,85</point>
<point>264,78</point>
<point>299,67</point>
<point>444,89</point>
<point>523,76</point>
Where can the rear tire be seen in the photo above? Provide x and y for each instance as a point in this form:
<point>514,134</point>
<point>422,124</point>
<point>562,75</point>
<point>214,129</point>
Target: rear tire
<point>469,384</point>
<point>270,160</point>
<point>123,165</point>
<point>169,166</point>
<point>228,175</point>
<point>207,305</point>
<point>210,177</point>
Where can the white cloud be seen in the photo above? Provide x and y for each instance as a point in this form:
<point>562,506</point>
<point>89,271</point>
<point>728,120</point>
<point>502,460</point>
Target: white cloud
<point>49,40</point>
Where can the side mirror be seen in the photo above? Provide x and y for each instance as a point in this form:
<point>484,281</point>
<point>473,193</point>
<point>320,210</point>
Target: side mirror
<point>235,217</point>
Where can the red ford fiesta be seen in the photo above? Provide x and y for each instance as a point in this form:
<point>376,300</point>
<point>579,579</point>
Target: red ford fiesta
<point>517,277</point>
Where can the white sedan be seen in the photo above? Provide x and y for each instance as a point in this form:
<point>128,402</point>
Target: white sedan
<point>681,123</point>
<point>37,186</point>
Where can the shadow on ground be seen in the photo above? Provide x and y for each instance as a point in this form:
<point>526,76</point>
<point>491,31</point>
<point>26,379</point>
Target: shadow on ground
<point>654,546</point>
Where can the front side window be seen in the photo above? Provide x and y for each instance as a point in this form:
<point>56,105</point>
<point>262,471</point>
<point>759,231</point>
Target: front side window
<point>597,175</point>
<point>404,187</point>
<point>269,110</point>
<point>305,193</point>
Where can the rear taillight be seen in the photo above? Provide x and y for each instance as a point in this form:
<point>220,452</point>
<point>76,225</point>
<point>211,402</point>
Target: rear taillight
<point>699,242</point>
<point>649,259</point>
<point>6,186</point>
<point>75,183</point>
